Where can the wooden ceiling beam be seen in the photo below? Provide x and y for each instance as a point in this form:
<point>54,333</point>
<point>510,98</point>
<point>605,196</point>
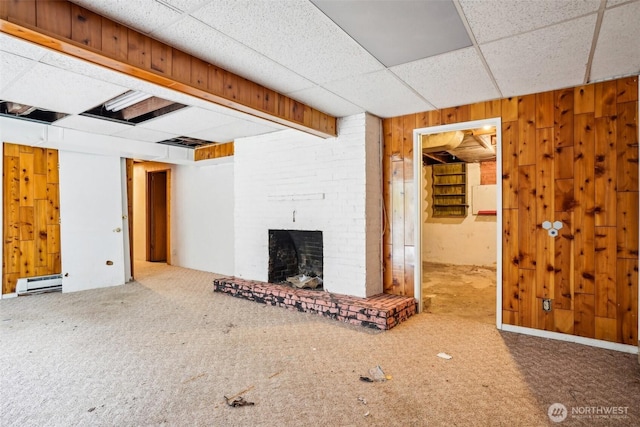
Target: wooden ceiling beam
<point>65,27</point>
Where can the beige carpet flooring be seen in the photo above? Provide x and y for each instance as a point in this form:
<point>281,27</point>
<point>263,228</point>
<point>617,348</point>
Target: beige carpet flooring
<point>165,350</point>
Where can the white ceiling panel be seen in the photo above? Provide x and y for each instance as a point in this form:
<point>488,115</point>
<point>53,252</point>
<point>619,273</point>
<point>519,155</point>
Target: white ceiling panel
<point>494,19</point>
<point>185,5</point>
<point>141,15</point>
<point>200,40</point>
<point>21,48</point>
<point>51,88</point>
<point>231,131</point>
<point>12,67</point>
<point>323,100</point>
<point>525,63</point>
<point>612,3</point>
<point>293,33</point>
<point>618,49</point>
<point>142,134</point>
<point>90,124</point>
<point>187,121</point>
<point>439,79</point>
<point>381,93</point>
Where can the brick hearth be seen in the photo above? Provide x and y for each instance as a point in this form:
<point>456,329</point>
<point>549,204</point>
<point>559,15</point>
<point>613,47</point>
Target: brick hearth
<point>380,311</point>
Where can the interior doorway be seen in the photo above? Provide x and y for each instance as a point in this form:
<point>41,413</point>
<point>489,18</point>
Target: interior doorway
<point>459,221</point>
<point>157,216</point>
<point>151,188</point>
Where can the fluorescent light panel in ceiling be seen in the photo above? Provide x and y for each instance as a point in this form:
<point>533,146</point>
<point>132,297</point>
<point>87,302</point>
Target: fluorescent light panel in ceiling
<point>397,32</point>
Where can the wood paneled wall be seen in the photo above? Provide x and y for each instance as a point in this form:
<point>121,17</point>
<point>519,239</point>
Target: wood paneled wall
<point>69,28</point>
<point>568,155</point>
<point>213,151</point>
<point>31,214</point>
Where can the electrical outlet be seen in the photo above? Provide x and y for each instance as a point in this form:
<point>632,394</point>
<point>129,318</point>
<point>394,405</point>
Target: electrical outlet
<point>546,304</point>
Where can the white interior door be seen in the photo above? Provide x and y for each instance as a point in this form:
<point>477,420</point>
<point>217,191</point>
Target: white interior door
<point>91,221</point>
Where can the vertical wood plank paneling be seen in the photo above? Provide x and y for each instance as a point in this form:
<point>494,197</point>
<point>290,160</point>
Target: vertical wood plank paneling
<point>52,166</point>
<point>27,190</point>
<point>588,181</point>
<point>584,315</point>
<point>54,17</point>
<point>605,171</point>
<point>510,165</point>
<point>527,216</point>
<point>545,211</point>
<point>11,209</point>
<point>563,117</point>
<point>477,111</point>
<point>408,123</point>
<point>563,282</point>
<point>510,261</point>
<point>527,130</point>
<point>494,109</point>
<point>584,193</point>
<point>545,111</point>
<point>397,224</point>
<point>181,66</point>
<point>627,89</point>
<point>138,49</point>
<point>86,27</point>
<point>161,57</point>
<point>509,109</point>
<point>606,270</point>
<point>627,224</point>
<point>387,175</point>
<point>528,310</point>
<point>26,222</point>
<point>605,99</point>
<point>199,73</point>
<point>564,321</point>
<point>627,146</point>
<point>40,231</point>
<point>22,11</point>
<point>409,268</point>
<point>115,39</point>
<point>627,297</point>
<point>584,99</point>
<point>387,272</point>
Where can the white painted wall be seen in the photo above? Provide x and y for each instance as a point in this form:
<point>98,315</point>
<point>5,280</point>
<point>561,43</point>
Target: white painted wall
<point>91,223</point>
<point>463,241</point>
<point>332,185</point>
<point>202,236</point>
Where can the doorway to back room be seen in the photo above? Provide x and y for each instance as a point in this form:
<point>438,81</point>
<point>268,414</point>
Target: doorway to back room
<point>459,221</point>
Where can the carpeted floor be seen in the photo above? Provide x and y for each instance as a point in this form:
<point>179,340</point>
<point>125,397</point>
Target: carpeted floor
<point>165,350</point>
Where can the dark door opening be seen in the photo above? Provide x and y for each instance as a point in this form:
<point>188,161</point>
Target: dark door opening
<point>157,216</point>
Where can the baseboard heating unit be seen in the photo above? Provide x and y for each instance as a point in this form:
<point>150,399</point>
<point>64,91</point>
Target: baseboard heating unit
<point>40,284</point>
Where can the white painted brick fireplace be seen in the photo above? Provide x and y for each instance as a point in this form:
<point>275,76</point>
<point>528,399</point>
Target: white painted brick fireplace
<point>290,180</point>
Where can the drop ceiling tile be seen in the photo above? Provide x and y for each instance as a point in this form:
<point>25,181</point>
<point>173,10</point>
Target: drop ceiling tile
<point>380,93</point>
<point>612,3</point>
<point>143,16</point>
<point>450,79</point>
<point>325,101</point>
<point>142,134</point>
<point>72,93</point>
<point>20,47</point>
<point>200,40</point>
<point>618,49</point>
<point>295,34</point>
<point>187,120</point>
<point>231,131</point>
<point>12,67</point>
<point>185,5</point>
<point>525,64</point>
<point>495,19</point>
<point>90,124</point>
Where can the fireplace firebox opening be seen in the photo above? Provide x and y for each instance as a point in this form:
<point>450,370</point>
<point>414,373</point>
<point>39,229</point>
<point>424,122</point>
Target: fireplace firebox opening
<point>296,258</point>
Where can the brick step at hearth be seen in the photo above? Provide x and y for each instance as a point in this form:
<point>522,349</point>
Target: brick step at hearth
<point>382,311</point>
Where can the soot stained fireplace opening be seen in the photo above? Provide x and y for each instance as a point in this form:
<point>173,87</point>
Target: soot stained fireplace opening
<point>296,258</point>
